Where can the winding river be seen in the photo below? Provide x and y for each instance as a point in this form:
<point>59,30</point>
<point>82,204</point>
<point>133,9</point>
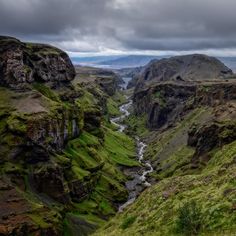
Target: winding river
<point>138,175</point>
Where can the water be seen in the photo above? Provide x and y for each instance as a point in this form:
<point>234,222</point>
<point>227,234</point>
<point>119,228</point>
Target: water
<point>126,80</point>
<point>139,180</point>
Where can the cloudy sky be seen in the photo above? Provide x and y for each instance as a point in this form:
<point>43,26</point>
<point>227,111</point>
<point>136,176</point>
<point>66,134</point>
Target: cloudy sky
<point>88,27</point>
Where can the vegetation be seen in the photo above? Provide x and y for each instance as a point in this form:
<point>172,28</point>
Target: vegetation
<point>190,220</point>
<point>184,201</point>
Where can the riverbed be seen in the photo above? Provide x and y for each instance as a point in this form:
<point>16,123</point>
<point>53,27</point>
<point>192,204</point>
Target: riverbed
<point>138,175</point>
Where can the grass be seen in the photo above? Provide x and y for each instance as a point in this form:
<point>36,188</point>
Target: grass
<point>121,148</point>
<point>137,125</point>
<point>112,108</point>
<point>158,208</point>
<point>46,91</point>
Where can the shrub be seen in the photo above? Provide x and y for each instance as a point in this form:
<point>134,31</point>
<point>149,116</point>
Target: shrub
<point>128,221</point>
<point>190,220</point>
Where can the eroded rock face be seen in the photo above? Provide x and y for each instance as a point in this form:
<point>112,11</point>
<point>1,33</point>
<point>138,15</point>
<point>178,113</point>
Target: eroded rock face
<point>23,63</point>
<point>212,135</point>
<point>166,103</point>
<point>184,68</point>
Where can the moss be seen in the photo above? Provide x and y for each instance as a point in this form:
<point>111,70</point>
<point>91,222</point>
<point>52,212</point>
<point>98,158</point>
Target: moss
<point>113,107</point>
<point>46,91</point>
<point>137,125</point>
<point>87,100</point>
<point>17,123</point>
<point>121,148</point>
<point>159,98</point>
<point>39,220</point>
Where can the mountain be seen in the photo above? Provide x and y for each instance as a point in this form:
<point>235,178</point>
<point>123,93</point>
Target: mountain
<point>93,60</point>
<point>128,61</point>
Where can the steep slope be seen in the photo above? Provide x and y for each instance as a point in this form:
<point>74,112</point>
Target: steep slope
<point>190,129</point>
<point>59,155</point>
<point>194,176</point>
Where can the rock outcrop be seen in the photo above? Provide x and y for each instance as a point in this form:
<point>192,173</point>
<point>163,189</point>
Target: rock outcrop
<point>166,103</point>
<point>184,68</point>
<point>23,63</point>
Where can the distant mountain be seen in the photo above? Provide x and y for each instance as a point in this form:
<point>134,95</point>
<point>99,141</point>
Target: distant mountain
<point>129,61</point>
<point>92,60</point>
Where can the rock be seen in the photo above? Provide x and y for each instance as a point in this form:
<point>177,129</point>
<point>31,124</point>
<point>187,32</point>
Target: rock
<point>50,181</point>
<point>24,63</point>
<point>166,102</point>
<point>210,136</point>
<point>184,68</point>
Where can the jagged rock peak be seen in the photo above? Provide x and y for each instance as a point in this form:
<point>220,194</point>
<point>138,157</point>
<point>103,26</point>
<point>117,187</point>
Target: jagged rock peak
<point>25,63</point>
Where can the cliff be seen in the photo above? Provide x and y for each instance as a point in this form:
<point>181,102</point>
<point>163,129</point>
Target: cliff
<point>23,63</point>
<point>166,102</point>
<point>58,164</point>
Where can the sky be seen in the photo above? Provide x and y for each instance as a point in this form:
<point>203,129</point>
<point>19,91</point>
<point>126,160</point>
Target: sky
<point>114,27</point>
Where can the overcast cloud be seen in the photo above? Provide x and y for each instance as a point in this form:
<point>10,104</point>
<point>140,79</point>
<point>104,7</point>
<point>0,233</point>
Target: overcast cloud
<point>116,26</point>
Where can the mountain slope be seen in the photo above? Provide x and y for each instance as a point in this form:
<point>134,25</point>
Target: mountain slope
<point>59,172</point>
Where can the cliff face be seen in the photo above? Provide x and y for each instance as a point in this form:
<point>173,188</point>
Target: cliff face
<point>53,149</point>
<point>23,63</point>
<point>165,103</point>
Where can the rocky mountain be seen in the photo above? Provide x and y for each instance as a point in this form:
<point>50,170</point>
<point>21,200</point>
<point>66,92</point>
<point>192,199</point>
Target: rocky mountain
<point>60,157</point>
<point>181,68</point>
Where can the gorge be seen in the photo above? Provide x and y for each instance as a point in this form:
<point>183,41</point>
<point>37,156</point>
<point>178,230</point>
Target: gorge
<point>79,156</point>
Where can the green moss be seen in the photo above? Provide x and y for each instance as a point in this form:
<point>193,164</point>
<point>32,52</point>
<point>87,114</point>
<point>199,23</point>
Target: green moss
<point>39,220</point>
<point>137,125</point>
<point>121,148</point>
<point>113,107</point>
<point>46,91</point>
<point>87,100</point>
<point>160,99</point>
<point>17,123</point>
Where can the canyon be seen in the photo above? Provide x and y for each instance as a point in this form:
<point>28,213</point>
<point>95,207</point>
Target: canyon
<point>80,156</point>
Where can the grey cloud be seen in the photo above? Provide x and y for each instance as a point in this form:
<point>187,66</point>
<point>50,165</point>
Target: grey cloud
<point>92,25</point>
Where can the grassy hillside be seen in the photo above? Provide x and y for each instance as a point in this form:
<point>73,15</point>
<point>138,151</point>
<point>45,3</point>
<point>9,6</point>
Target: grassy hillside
<point>187,199</point>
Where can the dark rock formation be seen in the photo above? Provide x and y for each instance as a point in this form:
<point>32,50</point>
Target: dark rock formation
<point>212,135</point>
<point>23,63</point>
<point>165,103</point>
<point>181,68</point>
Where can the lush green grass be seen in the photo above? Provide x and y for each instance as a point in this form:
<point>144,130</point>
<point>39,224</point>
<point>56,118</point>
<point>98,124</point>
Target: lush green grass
<point>157,209</point>
<point>121,148</point>
<point>137,125</point>
<point>112,107</point>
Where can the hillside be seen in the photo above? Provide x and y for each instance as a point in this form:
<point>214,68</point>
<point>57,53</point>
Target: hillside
<point>190,128</point>
<point>60,157</point>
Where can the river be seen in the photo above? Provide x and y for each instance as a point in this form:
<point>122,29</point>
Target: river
<point>139,175</point>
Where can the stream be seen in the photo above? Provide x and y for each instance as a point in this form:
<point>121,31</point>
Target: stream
<point>138,175</point>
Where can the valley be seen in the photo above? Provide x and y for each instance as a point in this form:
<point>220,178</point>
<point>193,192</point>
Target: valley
<point>83,152</point>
